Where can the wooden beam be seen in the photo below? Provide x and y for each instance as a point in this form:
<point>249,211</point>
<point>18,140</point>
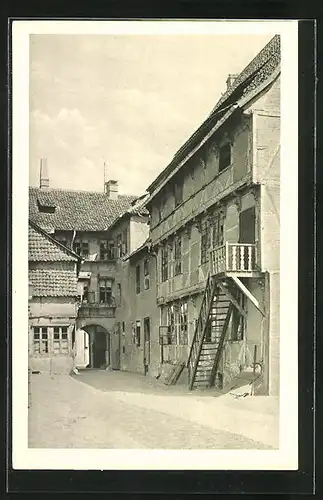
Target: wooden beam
<point>232,299</point>
<point>248,294</point>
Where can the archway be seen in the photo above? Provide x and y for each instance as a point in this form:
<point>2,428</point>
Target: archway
<point>98,346</point>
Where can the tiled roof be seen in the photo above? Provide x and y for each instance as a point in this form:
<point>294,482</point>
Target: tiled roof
<point>138,206</point>
<point>257,72</point>
<point>43,248</point>
<point>79,210</point>
<point>53,282</point>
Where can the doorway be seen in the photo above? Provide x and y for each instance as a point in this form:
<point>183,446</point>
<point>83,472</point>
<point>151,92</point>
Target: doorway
<point>146,344</point>
<point>98,346</point>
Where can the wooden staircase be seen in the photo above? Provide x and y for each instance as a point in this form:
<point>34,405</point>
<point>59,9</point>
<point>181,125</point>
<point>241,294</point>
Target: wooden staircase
<point>209,336</point>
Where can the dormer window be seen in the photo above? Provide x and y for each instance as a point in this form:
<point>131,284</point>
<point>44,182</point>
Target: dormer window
<point>224,156</point>
<point>46,203</point>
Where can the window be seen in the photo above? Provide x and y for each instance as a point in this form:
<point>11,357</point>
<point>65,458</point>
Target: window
<point>85,296</point>
<point>60,340</point>
<point>119,245</point>
<point>171,331</point>
<point>183,324</point>
<point>138,278</point>
<point>119,293</point>
<point>178,255</point>
<point>205,242</point>
<point>164,266</point>
<point>146,329</point>
<point>146,274</point>
<point>107,250</point>
<point>40,340</point>
<point>105,291</point>
<point>123,325</point>
<point>217,230</point>
<point>224,157</point>
<point>81,248</point>
<point>138,326</point>
<point>161,209</point>
<point>61,240</point>
<point>177,321</point>
<point>124,242</point>
<point>178,193</point>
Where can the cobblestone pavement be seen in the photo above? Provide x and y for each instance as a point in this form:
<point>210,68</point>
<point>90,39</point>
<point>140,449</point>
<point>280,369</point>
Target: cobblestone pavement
<point>75,412</point>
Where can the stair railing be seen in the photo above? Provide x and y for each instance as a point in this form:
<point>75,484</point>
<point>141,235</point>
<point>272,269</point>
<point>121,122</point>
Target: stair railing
<point>200,329</point>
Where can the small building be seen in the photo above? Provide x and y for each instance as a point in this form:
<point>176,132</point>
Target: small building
<point>53,302</point>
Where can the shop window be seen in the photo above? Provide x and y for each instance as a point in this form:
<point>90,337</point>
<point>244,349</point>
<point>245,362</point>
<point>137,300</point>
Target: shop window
<point>60,340</point>
<point>138,278</point>
<point>40,340</point>
<point>178,255</point>
<point>164,266</point>
<point>224,156</point>
<point>146,274</point>
<point>105,291</point>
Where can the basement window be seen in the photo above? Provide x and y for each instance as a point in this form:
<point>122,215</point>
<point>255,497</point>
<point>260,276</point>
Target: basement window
<point>40,340</point>
<point>224,156</point>
<point>60,340</point>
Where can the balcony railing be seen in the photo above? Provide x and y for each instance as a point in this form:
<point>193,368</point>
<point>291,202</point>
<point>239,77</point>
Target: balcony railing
<point>233,257</point>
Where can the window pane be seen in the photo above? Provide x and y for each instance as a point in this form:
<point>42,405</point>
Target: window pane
<point>56,335</point>
<point>36,329</point>
<point>56,329</point>
<point>64,335</point>
<point>64,329</point>
<point>36,335</point>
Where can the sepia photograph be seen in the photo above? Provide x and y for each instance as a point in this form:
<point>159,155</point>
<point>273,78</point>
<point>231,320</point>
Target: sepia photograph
<point>156,197</point>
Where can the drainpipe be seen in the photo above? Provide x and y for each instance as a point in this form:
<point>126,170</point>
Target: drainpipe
<point>73,238</point>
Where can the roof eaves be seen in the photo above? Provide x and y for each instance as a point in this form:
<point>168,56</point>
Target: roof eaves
<point>239,104</point>
<point>53,240</point>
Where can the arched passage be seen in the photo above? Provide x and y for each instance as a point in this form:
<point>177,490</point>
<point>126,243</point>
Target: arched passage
<point>97,343</point>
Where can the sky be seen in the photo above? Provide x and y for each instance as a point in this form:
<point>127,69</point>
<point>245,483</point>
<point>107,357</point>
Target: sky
<point>130,101</point>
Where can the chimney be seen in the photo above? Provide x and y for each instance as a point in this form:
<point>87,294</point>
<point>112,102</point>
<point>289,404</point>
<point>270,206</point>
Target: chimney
<point>230,80</point>
<point>111,189</point>
<point>44,178</point>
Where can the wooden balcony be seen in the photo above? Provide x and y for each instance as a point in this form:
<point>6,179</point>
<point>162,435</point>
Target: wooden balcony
<point>237,259</point>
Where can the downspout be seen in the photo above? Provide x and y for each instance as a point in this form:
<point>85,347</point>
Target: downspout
<point>73,238</point>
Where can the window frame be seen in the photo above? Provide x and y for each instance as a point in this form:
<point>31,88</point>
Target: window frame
<point>178,255</point>
<point>205,242</point>
<point>107,293</point>
<point>138,280</point>
<point>222,162</point>
<point>61,340</point>
<point>138,332</point>
<point>164,263</point>
<point>82,248</point>
<point>146,274</point>
<point>40,340</point>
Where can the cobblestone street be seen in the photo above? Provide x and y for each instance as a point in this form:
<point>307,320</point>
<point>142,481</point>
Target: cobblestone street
<point>98,409</point>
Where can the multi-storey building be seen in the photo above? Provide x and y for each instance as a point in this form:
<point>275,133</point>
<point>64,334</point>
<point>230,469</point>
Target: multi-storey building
<point>53,304</point>
<point>80,220</point>
<point>215,229</point>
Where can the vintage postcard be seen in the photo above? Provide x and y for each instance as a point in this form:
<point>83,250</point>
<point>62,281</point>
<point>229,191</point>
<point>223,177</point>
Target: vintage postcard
<point>155,245</point>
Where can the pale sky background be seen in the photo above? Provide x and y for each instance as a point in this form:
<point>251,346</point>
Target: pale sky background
<point>131,101</point>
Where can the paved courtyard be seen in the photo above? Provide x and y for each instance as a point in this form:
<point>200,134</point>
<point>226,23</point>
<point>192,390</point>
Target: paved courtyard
<point>98,409</point>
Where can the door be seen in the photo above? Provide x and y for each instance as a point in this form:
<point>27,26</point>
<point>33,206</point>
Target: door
<point>247,226</point>
<point>146,344</point>
<point>99,348</point>
<point>115,348</point>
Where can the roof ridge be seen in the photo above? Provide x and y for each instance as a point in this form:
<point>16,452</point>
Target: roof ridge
<point>36,188</point>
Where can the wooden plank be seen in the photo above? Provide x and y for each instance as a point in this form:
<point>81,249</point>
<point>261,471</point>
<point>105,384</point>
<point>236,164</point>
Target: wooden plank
<point>233,300</point>
<point>248,294</point>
